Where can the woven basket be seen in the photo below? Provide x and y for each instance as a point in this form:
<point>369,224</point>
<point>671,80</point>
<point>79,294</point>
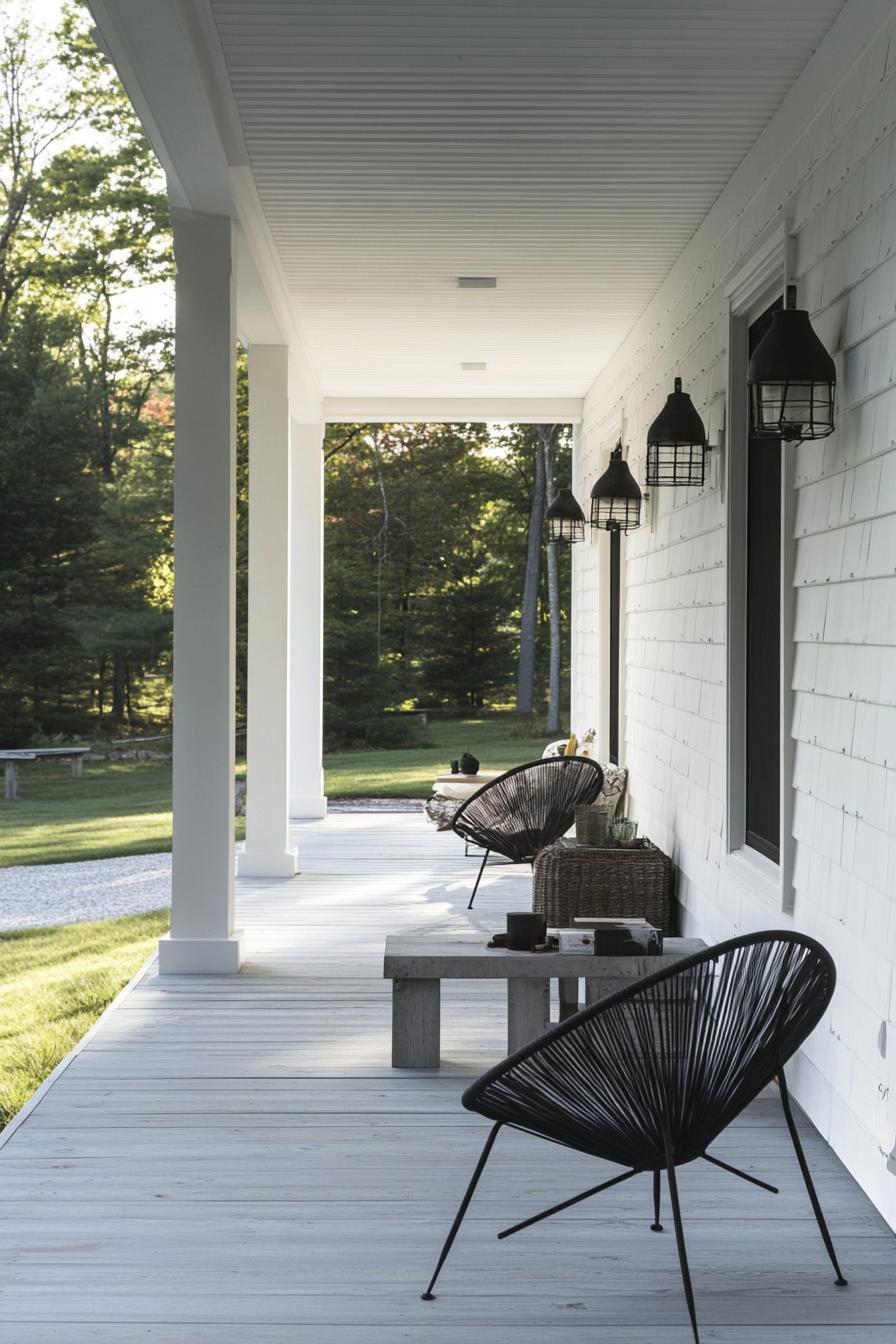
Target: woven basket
<point>573,880</point>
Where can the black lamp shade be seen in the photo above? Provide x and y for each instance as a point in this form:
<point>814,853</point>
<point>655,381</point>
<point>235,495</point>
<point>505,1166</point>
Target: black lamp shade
<point>676,443</point>
<point>616,497</point>
<point>565,520</point>
<point>791,379</point>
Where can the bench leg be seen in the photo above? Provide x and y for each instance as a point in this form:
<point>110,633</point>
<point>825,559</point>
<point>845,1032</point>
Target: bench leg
<point>528,1011</point>
<point>568,987</point>
<point>599,989</point>
<point>77,767</point>
<point>10,782</point>
<point>415,1024</point>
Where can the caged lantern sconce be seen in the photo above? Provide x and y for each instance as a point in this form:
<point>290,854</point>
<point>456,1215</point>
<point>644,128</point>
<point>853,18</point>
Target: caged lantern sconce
<point>676,443</point>
<point>565,519</point>
<point>791,379</point>
<point>616,497</point>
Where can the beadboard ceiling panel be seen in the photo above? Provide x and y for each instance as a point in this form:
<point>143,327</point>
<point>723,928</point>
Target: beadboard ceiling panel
<point>569,148</point>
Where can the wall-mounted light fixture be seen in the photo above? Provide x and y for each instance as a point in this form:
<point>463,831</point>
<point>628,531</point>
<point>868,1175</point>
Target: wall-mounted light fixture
<point>616,497</point>
<point>676,443</point>
<point>565,519</point>
<point>791,379</point>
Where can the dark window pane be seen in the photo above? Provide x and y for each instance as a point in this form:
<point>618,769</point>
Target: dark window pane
<point>763,671</point>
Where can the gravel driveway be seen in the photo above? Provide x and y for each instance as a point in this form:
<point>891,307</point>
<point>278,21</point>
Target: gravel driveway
<point>63,893</point>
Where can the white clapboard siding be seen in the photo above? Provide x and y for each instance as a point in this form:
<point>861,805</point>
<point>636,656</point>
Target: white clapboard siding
<point>828,162</point>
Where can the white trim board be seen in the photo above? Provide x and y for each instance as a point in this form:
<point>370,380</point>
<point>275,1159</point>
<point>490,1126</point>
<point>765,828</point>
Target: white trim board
<point>450,410</point>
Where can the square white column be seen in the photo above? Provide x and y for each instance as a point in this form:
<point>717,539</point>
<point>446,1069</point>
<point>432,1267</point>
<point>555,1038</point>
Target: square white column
<point>267,852</point>
<point>306,783</point>
<point>202,936</point>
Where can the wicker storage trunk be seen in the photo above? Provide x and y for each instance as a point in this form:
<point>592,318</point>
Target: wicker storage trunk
<point>572,880</point>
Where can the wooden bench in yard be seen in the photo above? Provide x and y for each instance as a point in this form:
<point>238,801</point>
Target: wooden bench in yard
<point>417,965</point>
<point>12,759</point>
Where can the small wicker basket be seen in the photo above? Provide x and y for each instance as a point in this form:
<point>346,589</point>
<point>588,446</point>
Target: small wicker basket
<point>571,880</point>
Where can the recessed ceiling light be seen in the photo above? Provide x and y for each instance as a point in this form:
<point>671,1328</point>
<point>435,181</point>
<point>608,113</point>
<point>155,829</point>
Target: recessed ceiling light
<point>473,365</point>
<point>477,282</point>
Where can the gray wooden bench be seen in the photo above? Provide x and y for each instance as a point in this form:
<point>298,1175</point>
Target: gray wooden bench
<point>13,758</point>
<point>417,965</point>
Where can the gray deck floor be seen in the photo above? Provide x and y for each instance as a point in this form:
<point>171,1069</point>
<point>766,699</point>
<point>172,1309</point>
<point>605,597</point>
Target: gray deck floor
<point>233,1159</point>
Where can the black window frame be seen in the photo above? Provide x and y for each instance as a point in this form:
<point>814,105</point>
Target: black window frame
<point>763,654</point>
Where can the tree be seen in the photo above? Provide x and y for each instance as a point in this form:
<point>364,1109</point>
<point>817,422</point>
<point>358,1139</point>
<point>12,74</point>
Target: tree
<point>548,444</point>
<point>525,693</point>
<point>83,223</point>
<point>422,543</point>
<point>51,501</point>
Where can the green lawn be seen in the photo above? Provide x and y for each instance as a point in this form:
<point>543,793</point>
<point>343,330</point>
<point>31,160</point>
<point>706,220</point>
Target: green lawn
<point>117,808</point>
<point>409,772</point>
<point>54,983</point>
<point>124,807</point>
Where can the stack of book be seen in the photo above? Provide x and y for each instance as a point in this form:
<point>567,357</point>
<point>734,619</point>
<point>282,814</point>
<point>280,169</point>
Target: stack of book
<point>622,937</point>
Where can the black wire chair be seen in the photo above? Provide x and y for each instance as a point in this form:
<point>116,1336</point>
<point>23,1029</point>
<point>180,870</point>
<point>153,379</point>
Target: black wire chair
<point>526,808</point>
<point>649,1077</point>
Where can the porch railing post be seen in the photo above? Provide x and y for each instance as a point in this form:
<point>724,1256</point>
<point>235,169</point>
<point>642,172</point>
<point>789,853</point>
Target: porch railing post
<point>267,852</point>
<point>202,934</point>
<point>306,785</point>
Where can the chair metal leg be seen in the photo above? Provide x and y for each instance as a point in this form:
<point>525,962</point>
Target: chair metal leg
<point>479,878</point>
<point>656,1225</point>
<point>679,1237</point>
<point>744,1175</point>
<point>566,1204</point>
<point>840,1281</point>
<point>464,1205</point>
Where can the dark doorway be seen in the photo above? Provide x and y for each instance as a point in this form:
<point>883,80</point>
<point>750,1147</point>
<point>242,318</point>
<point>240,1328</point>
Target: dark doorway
<point>763,652</point>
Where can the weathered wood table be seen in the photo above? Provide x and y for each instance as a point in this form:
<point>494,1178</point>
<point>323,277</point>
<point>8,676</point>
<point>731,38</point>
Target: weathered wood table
<point>417,965</point>
<point>12,759</point>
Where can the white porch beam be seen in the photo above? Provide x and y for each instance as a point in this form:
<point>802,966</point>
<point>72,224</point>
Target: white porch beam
<point>267,852</point>
<point>202,936</point>
<point>306,674</point>
<point>453,410</point>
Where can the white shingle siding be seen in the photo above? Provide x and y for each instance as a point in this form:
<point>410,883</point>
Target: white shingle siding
<point>833,173</point>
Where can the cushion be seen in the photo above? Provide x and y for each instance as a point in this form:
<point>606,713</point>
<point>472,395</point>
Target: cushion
<point>612,795</point>
<point>441,811</point>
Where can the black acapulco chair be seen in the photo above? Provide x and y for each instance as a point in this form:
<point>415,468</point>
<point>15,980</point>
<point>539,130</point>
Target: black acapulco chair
<point>649,1077</point>
<point>526,808</point>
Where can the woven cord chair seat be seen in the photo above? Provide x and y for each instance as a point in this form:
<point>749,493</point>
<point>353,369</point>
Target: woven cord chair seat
<point>648,1077</point>
<point>676,1058</point>
<point>530,806</point>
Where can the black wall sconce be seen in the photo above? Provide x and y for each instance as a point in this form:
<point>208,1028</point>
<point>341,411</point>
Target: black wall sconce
<point>565,519</point>
<point>616,497</point>
<point>676,443</point>
<point>791,379</point>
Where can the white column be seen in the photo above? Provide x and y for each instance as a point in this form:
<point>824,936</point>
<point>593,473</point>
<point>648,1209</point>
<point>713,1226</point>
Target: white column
<point>306,780</point>
<point>202,935</point>
<point>267,852</point>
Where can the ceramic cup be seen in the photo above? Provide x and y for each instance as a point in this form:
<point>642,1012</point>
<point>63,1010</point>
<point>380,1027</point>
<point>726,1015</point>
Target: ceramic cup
<point>524,930</point>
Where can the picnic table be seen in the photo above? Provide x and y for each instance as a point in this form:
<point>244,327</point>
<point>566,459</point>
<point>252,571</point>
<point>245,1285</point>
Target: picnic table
<point>12,759</point>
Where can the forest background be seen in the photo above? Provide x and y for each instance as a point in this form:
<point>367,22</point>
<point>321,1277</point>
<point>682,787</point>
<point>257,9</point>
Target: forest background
<point>439,591</point>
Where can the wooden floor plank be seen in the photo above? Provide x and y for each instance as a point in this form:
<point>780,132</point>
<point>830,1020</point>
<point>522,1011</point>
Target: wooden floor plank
<point>234,1158</point>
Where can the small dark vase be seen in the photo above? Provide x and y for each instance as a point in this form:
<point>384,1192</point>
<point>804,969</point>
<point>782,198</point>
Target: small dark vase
<point>524,930</point>
<point>469,764</point>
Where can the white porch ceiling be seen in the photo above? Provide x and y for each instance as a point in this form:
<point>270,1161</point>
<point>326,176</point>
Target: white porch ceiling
<point>568,147</point>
